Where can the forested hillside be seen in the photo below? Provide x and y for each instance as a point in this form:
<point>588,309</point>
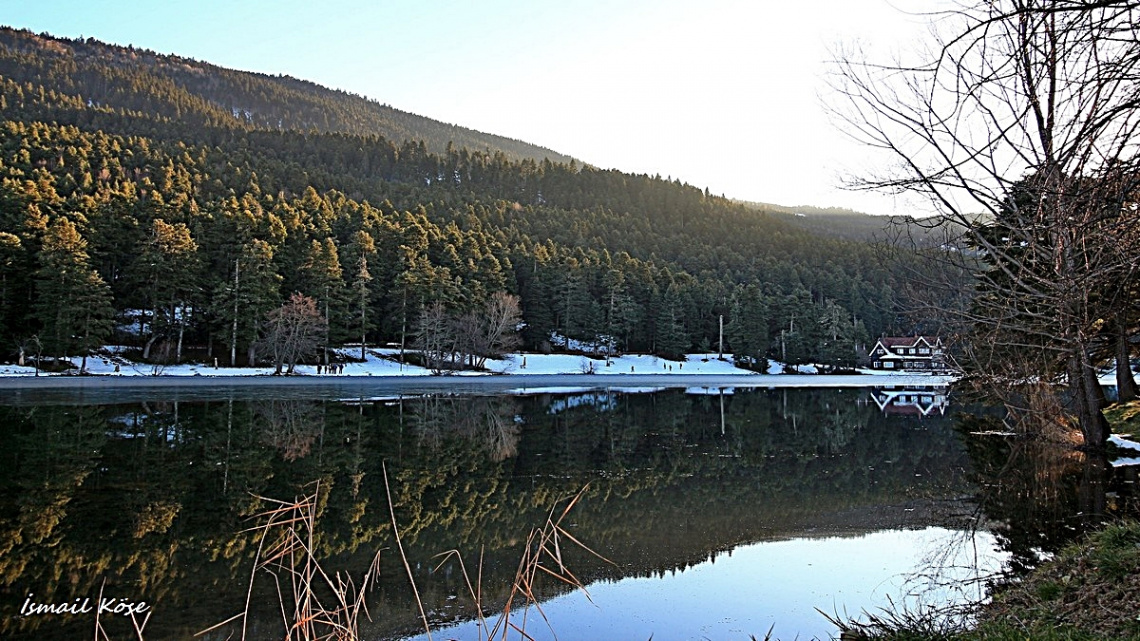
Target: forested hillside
<point>127,184</point>
<point>176,89</point>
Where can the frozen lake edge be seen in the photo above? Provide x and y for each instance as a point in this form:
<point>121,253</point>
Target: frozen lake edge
<point>489,383</point>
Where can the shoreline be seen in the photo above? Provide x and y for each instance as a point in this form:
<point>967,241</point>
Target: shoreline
<point>103,381</point>
<point>379,370</point>
<point>381,364</point>
<point>100,390</point>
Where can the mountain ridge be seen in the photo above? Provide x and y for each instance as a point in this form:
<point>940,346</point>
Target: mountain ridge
<point>249,98</point>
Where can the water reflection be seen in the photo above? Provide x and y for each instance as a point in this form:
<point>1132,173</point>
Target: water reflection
<point>153,496</point>
<point>490,423</point>
<point>775,585</point>
<point>1038,496</point>
<point>912,400</point>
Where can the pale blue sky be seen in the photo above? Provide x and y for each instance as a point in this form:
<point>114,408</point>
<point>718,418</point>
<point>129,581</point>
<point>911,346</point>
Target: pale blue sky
<point>723,94</point>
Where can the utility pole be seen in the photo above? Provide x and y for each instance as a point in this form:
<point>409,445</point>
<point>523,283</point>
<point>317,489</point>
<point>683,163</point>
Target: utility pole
<point>233,332</point>
<point>720,344</point>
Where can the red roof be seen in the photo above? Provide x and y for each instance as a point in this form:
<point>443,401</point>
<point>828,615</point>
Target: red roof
<point>907,341</point>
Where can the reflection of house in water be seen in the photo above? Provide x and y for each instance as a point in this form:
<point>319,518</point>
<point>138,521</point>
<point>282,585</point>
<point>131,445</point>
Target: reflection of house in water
<point>911,400</point>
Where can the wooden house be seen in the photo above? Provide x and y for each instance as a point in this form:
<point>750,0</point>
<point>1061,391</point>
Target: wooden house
<point>909,354</point>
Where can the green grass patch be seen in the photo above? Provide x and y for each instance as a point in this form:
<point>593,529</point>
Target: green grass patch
<point>1089,592</point>
<point>1048,590</point>
<point>1009,631</point>
<point>1124,418</point>
<point>1116,552</point>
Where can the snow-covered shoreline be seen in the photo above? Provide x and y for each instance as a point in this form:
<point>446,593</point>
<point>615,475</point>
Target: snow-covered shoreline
<point>695,370</point>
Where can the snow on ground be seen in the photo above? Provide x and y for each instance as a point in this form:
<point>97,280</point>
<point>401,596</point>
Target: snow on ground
<point>384,362</point>
<point>626,364</point>
<point>109,364</point>
<point>1108,377</point>
<point>1126,444</point>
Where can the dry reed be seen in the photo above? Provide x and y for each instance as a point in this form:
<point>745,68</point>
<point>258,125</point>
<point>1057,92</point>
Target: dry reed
<point>315,606</point>
<point>542,556</point>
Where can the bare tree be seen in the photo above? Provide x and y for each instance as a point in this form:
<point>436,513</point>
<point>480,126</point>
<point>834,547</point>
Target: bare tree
<point>434,337</point>
<point>494,328</point>
<point>1020,126</point>
<point>468,340</point>
<point>292,332</point>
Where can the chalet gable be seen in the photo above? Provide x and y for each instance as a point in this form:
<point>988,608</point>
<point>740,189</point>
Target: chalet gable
<point>908,353</point>
<point>907,346</point>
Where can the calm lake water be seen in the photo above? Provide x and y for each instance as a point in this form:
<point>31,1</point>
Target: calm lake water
<point>721,513</point>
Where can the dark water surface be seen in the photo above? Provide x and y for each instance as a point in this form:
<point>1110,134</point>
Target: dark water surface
<point>722,513</point>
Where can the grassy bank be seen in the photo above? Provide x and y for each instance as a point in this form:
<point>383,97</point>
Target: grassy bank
<point>1089,592</point>
<point>1124,419</point>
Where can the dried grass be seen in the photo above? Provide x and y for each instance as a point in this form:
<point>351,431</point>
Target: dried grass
<point>543,556</point>
<point>314,605</point>
<point>317,606</point>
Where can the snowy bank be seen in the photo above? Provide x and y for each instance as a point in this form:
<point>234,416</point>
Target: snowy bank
<point>383,363</point>
<point>1125,444</point>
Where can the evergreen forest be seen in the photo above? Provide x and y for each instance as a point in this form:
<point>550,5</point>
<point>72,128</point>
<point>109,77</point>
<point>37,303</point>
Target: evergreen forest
<point>174,205</point>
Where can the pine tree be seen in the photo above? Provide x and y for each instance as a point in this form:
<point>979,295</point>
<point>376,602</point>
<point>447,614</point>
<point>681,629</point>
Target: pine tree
<point>10,255</point>
<point>837,343</point>
<point>797,333</point>
<point>747,329</point>
<point>321,279</point>
<point>670,336</point>
<point>622,312</point>
<point>166,271</point>
<point>246,296</point>
<point>579,312</point>
<point>363,247</point>
<point>73,303</point>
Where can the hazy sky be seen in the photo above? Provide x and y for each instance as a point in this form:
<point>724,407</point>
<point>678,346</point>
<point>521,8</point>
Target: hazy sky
<point>723,94</point>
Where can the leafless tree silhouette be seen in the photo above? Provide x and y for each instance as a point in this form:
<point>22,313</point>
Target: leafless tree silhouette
<point>1019,124</point>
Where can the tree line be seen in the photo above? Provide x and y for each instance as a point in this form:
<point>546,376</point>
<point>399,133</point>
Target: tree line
<point>191,231</point>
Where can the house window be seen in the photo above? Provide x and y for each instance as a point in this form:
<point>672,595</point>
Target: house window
<point>912,350</point>
<point>923,350</point>
<point>888,364</point>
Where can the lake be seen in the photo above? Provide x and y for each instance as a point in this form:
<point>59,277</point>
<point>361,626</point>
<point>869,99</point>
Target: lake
<point>709,512</point>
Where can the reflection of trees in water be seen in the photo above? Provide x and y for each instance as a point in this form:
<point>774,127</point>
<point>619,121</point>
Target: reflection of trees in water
<point>815,422</point>
<point>62,447</point>
<point>841,421</point>
<point>489,421</point>
<point>1038,496</point>
<point>291,427</point>
<point>671,482</point>
<point>45,455</point>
